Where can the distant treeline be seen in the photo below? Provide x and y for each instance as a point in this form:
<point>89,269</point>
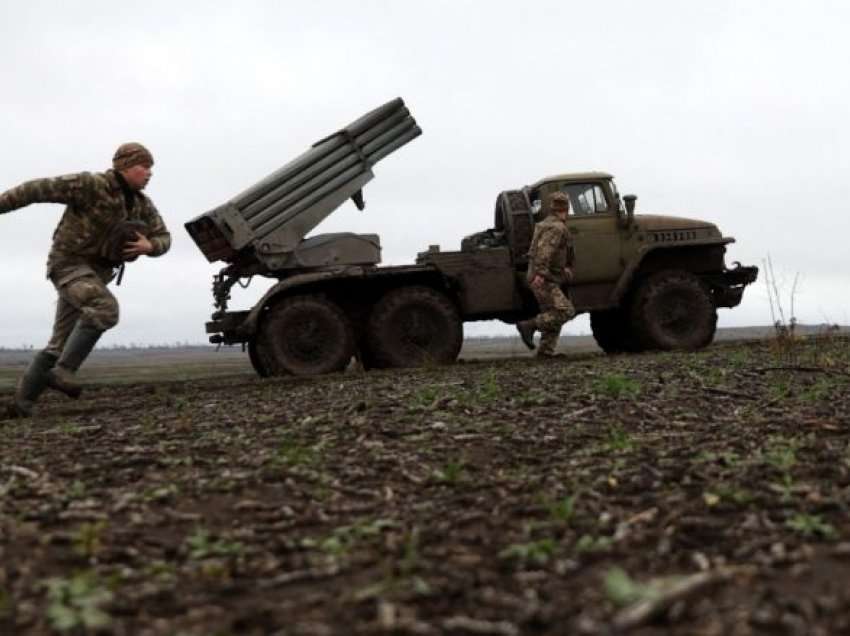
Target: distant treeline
<point>126,347</point>
<point>759,331</point>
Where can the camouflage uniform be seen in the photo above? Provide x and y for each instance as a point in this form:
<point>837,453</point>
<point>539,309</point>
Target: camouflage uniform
<point>77,264</point>
<point>551,256</point>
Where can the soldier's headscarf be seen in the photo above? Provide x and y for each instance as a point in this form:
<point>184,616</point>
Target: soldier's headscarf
<point>131,154</point>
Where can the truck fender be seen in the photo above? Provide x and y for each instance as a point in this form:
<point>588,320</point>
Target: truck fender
<point>625,282</point>
<point>249,325</point>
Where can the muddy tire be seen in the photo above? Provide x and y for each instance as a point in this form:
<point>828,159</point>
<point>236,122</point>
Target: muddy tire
<point>256,360</point>
<point>414,326</point>
<point>303,335</point>
<point>613,332</point>
<point>368,358</point>
<point>673,310</point>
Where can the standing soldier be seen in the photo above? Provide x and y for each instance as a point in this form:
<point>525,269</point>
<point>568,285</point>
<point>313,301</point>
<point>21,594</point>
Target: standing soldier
<point>107,221</point>
<point>550,265</point>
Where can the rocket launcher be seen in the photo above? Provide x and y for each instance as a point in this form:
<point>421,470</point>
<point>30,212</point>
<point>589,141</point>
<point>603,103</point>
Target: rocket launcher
<point>273,216</point>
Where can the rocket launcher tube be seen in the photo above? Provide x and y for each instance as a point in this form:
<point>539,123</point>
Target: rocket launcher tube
<point>368,126</point>
<point>277,220</point>
<point>343,158</point>
<point>372,148</point>
<point>275,214</point>
<point>262,187</point>
<point>279,206</point>
<point>397,143</point>
<point>327,162</point>
<point>370,119</point>
<point>283,187</point>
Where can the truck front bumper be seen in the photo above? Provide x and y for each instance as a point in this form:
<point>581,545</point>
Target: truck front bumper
<point>727,288</point>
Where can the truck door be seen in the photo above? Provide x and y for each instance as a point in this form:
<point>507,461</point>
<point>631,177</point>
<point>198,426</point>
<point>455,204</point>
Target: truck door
<point>593,224</point>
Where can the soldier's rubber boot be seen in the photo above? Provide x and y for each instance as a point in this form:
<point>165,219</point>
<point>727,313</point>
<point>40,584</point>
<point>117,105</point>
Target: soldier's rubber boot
<point>31,385</point>
<point>78,347</point>
<point>548,342</point>
<point>546,355</point>
<point>526,330</point>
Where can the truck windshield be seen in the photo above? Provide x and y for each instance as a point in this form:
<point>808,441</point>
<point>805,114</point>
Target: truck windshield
<point>585,198</point>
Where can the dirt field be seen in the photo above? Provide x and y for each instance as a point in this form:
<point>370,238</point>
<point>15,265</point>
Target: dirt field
<point>679,493</point>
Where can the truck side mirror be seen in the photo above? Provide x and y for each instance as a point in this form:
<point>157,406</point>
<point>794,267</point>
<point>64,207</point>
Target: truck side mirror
<point>630,205</point>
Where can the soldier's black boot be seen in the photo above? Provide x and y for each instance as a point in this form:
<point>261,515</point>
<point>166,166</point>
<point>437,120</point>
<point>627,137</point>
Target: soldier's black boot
<point>78,347</point>
<point>31,385</point>
<point>526,330</point>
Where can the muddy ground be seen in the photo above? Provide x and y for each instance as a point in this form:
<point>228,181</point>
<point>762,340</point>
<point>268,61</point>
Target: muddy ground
<point>668,493</point>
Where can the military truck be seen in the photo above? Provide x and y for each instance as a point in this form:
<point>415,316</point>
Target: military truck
<point>648,281</point>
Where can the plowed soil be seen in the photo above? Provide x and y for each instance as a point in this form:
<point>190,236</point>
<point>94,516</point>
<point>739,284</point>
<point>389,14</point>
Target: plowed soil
<point>668,493</point>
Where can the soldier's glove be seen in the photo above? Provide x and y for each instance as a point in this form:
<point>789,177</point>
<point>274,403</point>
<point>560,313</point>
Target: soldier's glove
<point>116,240</point>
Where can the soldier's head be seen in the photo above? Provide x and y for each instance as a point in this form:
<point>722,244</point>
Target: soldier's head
<point>559,204</point>
<point>134,162</point>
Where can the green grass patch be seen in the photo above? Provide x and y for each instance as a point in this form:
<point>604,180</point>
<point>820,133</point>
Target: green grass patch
<point>535,552</point>
<point>451,473</point>
<point>616,386</point>
<point>202,545</point>
<point>76,604</point>
<point>811,526</point>
<point>618,439</point>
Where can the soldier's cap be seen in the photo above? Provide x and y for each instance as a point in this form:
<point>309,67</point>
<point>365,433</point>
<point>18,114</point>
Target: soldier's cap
<point>131,154</point>
<point>559,200</point>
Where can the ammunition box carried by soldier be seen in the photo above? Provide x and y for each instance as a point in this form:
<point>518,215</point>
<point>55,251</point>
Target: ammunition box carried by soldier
<point>648,281</point>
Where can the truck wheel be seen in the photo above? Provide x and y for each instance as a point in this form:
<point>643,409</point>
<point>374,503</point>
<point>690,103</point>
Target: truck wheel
<point>256,359</point>
<point>414,326</point>
<point>674,310</point>
<point>612,331</point>
<point>304,335</point>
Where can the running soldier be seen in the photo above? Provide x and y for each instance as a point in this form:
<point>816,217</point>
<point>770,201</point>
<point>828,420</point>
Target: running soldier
<point>551,259</point>
<point>107,221</point>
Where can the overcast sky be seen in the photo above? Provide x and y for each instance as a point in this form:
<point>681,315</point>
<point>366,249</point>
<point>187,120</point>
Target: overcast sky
<point>733,112</point>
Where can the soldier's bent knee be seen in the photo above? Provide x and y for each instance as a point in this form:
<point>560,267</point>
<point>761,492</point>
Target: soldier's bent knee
<point>102,315</point>
<point>561,316</point>
<point>97,306</point>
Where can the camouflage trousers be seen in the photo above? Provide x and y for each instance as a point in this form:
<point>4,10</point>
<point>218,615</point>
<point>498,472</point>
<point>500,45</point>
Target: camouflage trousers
<point>555,310</point>
<point>83,297</point>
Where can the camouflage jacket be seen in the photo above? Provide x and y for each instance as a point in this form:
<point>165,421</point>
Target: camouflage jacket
<point>551,250</point>
<point>95,203</point>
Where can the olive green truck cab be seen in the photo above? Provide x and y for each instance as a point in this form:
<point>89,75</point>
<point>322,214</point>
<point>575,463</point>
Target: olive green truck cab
<point>648,281</point>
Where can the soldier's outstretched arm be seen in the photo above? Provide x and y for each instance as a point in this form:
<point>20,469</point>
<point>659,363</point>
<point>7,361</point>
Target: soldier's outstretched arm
<point>67,189</point>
